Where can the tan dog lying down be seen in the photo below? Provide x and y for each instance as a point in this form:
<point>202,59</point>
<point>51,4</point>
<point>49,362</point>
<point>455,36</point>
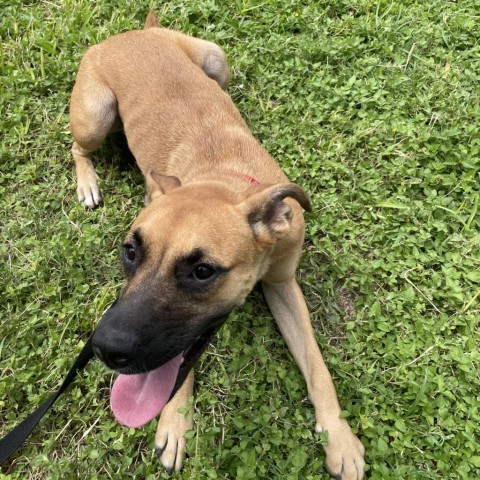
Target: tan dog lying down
<point>220,216</point>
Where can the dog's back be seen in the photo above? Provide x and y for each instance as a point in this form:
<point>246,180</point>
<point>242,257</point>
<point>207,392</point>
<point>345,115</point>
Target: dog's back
<point>172,98</point>
<point>167,92</point>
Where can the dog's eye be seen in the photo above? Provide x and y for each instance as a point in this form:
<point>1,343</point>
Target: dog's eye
<point>202,272</point>
<point>129,252</point>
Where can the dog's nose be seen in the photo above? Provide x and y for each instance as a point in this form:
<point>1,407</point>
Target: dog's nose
<point>116,350</point>
<point>111,359</point>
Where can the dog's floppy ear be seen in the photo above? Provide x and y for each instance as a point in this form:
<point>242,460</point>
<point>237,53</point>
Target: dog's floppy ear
<point>158,184</point>
<point>268,215</point>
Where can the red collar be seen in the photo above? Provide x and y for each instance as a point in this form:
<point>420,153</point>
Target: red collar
<point>246,177</point>
<point>250,179</point>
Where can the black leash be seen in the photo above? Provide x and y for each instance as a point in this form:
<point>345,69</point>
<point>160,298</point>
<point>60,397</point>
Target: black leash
<point>18,435</point>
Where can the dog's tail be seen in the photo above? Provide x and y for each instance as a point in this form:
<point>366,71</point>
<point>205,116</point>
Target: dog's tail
<point>152,20</point>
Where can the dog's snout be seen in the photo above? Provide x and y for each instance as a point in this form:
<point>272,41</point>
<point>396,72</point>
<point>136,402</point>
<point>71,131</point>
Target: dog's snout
<point>115,349</point>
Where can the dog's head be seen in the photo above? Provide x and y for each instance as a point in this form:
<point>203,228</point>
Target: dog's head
<point>190,257</point>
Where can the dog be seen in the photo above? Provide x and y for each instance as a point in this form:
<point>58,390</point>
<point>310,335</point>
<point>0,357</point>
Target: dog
<point>220,216</point>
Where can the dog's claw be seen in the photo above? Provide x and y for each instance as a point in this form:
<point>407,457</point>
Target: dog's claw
<point>159,451</point>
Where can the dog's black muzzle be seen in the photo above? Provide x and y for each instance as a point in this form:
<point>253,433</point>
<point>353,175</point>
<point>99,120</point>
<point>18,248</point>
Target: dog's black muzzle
<point>134,338</point>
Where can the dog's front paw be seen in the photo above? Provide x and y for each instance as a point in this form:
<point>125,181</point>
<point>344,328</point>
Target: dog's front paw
<point>170,443</point>
<point>344,451</point>
<point>88,191</point>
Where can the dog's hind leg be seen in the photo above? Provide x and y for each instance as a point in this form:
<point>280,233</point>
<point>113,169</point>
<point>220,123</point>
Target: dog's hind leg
<point>214,64</point>
<point>170,442</point>
<point>93,115</point>
<point>206,55</point>
<point>344,452</point>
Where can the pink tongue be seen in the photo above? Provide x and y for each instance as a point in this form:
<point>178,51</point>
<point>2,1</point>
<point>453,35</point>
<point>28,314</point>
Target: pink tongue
<point>136,399</point>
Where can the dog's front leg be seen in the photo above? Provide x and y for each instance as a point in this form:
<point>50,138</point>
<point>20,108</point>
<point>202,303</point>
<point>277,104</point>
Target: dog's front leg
<point>170,442</point>
<point>344,452</point>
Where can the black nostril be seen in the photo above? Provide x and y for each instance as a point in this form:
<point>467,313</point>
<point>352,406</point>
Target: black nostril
<point>119,361</point>
<point>113,359</point>
<point>115,349</point>
<point>98,353</point>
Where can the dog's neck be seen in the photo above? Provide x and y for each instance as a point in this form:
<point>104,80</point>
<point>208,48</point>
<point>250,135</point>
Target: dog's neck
<point>231,156</point>
<point>234,178</point>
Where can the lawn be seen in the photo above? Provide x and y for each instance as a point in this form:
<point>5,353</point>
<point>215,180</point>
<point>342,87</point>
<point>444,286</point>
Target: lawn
<point>373,107</point>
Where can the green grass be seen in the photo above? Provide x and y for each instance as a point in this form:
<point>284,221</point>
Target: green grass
<point>373,107</point>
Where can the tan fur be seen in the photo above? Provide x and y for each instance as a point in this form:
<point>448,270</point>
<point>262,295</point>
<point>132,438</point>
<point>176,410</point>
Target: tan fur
<point>165,90</point>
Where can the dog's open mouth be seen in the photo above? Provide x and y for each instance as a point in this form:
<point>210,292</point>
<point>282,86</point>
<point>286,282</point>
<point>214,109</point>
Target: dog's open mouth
<point>136,399</point>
